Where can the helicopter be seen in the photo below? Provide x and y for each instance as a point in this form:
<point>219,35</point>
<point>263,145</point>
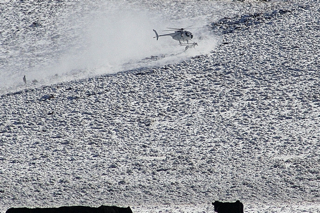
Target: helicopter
<point>179,34</point>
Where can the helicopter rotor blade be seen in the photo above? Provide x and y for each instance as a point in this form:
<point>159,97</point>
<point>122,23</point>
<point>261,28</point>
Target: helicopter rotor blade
<point>181,28</point>
<point>173,28</point>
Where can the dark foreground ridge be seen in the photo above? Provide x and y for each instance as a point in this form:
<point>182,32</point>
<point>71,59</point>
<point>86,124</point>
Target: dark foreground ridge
<point>72,209</point>
<point>220,207</point>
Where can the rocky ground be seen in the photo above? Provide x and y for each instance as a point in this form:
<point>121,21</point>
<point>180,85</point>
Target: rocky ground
<point>240,122</point>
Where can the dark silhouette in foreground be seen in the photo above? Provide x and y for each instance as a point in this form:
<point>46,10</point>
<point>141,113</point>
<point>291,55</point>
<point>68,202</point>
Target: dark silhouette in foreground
<point>72,209</point>
<point>221,207</point>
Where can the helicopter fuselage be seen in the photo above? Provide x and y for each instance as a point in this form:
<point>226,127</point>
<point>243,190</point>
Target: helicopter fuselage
<point>182,36</point>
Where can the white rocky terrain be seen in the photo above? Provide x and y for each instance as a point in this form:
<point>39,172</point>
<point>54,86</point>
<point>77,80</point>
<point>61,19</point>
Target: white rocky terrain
<point>110,116</point>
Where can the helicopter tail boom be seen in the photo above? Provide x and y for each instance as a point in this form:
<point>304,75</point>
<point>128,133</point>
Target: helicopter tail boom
<point>157,35</point>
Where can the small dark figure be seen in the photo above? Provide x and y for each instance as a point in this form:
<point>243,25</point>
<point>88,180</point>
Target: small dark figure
<point>221,207</point>
<point>24,79</point>
<point>35,24</point>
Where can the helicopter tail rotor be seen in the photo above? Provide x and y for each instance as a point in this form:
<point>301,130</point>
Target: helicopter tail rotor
<point>157,36</point>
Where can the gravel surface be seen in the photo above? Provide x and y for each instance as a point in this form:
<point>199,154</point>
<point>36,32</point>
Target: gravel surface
<point>238,121</point>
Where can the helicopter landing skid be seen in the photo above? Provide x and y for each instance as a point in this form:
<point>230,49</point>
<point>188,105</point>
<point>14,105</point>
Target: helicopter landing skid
<point>192,45</point>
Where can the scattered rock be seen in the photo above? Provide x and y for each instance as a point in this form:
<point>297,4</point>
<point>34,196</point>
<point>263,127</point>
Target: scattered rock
<point>35,24</point>
<point>229,25</point>
<point>47,97</point>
